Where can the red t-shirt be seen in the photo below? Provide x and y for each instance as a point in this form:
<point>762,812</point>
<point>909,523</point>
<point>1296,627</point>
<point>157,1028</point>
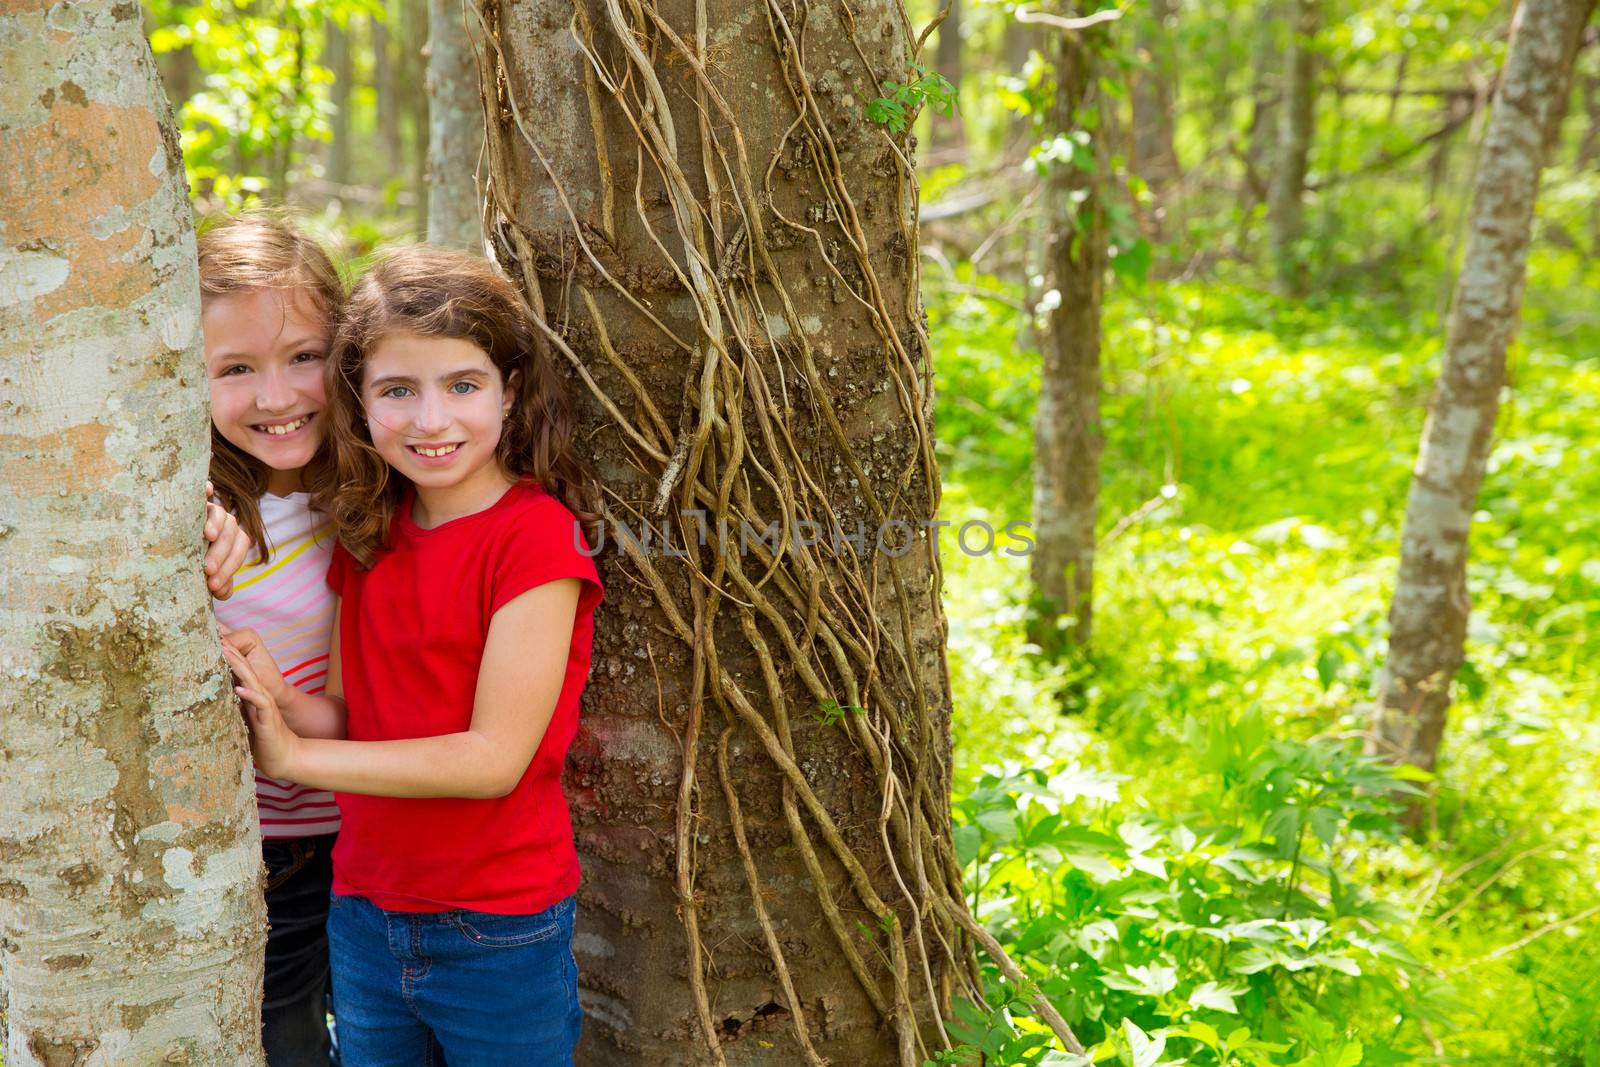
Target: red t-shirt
<point>411,637</point>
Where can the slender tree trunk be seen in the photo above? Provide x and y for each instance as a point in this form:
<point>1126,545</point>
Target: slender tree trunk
<point>1153,157</point>
<point>1296,130</point>
<point>1066,429</point>
<point>455,129</point>
<point>1266,91</point>
<point>1018,43</point>
<point>414,96</point>
<point>948,136</point>
<point>131,923</point>
<point>761,787</point>
<point>339,63</point>
<point>383,89</point>
<point>1428,617</point>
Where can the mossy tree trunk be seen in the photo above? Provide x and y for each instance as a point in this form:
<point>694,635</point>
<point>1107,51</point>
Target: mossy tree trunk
<point>1066,427</point>
<point>131,922</point>
<point>1428,616</point>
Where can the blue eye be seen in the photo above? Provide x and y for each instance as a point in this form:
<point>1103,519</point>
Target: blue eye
<point>396,391</point>
<point>463,388</point>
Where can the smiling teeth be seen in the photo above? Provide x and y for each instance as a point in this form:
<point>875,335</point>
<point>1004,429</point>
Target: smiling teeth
<point>445,451</point>
<point>288,427</point>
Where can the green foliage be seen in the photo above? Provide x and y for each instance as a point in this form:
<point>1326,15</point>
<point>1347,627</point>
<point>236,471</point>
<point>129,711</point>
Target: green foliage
<point>264,95</point>
<point>905,100</point>
<point>1213,733</point>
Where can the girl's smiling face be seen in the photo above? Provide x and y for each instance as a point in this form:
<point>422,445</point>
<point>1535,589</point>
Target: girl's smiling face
<point>435,407</point>
<point>264,354</point>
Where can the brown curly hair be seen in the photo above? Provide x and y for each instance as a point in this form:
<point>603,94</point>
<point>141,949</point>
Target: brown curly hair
<point>436,292</point>
<point>256,250</point>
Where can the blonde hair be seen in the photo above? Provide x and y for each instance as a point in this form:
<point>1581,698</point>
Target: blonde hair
<point>260,251</point>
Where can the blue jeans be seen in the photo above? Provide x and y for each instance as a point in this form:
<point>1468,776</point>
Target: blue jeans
<point>469,988</point>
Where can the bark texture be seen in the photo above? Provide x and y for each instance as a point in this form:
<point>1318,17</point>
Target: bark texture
<point>131,923</point>
<point>1066,428</point>
<point>338,61</point>
<point>1153,157</point>
<point>1428,617</point>
<point>455,129</point>
<point>724,248</point>
<point>948,135</point>
<point>1296,129</point>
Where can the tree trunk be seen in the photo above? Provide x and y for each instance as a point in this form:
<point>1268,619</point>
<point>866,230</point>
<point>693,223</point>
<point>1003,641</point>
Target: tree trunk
<point>744,328</point>
<point>948,136</point>
<point>455,129</point>
<point>339,63</point>
<point>1153,158</point>
<point>1266,90</point>
<point>388,101</point>
<point>131,922</point>
<point>1296,130</point>
<point>1428,618</point>
<point>1066,429</point>
<point>414,96</point>
<point>343,69</point>
<point>1017,44</point>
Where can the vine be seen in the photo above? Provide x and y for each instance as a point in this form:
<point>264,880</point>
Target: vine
<point>806,609</point>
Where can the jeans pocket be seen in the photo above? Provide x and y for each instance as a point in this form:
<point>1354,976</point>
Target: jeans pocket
<point>508,931</point>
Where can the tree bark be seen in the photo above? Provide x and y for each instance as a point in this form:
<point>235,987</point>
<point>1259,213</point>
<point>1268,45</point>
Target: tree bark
<point>413,68</point>
<point>761,784</point>
<point>383,90</point>
<point>948,136</point>
<point>1296,130</point>
<point>1428,617</point>
<point>455,129</point>
<point>1154,158</point>
<point>1066,429</point>
<point>131,922</point>
<point>1266,90</point>
<point>343,70</point>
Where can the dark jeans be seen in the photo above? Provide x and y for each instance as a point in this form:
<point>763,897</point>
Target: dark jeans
<point>294,1028</point>
<point>465,987</point>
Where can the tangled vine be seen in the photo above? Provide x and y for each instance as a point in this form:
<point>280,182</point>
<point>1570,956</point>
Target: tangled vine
<point>842,622</point>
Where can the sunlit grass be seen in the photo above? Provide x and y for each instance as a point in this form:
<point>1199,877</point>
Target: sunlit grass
<point>1288,436</point>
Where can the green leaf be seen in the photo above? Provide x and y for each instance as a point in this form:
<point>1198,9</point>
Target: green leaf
<point>1217,997</point>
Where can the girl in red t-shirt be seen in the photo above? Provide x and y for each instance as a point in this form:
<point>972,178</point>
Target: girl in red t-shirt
<point>466,595</point>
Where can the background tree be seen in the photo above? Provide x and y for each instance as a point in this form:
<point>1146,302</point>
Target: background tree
<point>1066,429</point>
<point>1296,129</point>
<point>455,128</point>
<point>719,225</point>
<point>131,923</point>
<point>1428,616</point>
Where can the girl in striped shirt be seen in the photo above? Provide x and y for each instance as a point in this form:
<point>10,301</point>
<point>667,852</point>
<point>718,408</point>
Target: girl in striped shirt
<point>270,298</point>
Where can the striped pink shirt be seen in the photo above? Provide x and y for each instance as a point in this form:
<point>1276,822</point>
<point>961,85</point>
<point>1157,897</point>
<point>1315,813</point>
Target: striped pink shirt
<point>287,601</point>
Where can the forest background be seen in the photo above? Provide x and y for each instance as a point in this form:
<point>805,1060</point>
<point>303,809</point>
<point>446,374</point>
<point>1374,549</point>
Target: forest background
<point>1171,824</point>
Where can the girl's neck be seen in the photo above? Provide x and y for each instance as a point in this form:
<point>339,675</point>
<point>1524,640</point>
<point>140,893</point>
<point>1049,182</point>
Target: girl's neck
<point>282,483</point>
<point>435,507</point>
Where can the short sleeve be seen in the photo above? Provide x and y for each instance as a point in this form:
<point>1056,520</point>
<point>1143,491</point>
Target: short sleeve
<point>543,543</point>
<point>340,567</point>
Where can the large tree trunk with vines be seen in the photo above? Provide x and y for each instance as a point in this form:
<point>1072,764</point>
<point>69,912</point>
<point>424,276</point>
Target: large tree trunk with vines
<point>131,924</point>
<point>455,129</point>
<point>1286,211</point>
<point>1428,617</point>
<point>724,249</point>
<point>1066,428</point>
